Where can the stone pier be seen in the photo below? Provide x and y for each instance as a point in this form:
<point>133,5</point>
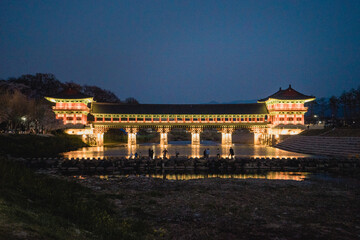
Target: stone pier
<point>195,135</point>
<point>226,136</point>
<point>100,139</point>
<point>163,135</point>
<point>99,136</point>
<point>259,134</point>
<point>131,131</point>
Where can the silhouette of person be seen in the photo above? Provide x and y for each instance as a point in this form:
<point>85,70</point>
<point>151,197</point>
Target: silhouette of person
<point>232,153</point>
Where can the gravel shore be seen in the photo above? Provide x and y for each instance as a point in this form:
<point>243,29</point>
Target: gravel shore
<point>217,208</point>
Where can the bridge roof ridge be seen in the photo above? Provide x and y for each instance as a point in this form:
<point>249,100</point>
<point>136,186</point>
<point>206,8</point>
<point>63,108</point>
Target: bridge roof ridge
<point>120,108</point>
<point>288,94</point>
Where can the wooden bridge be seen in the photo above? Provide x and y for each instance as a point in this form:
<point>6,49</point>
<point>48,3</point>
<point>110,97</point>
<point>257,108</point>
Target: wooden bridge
<point>278,114</point>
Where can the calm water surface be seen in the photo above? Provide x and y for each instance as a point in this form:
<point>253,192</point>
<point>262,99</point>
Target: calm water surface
<point>295,176</point>
<point>269,175</point>
<point>185,149</point>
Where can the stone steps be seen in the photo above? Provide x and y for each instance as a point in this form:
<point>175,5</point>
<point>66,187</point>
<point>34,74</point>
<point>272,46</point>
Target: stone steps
<point>319,145</point>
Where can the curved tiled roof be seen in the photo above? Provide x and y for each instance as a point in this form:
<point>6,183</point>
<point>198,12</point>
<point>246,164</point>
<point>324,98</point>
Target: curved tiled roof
<point>287,94</point>
<point>111,108</point>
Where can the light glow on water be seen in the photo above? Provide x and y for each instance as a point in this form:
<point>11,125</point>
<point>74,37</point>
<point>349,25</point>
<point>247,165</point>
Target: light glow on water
<point>185,149</point>
<point>294,176</point>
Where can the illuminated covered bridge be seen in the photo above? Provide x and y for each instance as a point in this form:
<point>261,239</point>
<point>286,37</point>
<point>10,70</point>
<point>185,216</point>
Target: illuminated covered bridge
<point>280,113</point>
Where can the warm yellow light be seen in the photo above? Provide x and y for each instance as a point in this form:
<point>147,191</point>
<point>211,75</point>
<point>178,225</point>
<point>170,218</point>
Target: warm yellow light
<point>195,138</point>
<point>295,176</point>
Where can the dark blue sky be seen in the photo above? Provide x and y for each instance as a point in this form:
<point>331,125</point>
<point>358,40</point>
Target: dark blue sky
<point>186,51</point>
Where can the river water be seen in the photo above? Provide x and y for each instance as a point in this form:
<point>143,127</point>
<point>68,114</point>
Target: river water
<point>270,175</point>
<point>184,148</point>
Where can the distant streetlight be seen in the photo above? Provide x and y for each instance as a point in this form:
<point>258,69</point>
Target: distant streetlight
<point>23,118</point>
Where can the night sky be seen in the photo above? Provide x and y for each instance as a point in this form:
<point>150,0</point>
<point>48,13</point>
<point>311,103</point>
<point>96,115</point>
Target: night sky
<point>186,51</point>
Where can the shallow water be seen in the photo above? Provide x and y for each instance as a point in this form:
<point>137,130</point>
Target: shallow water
<point>185,149</point>
<point>270,175</point>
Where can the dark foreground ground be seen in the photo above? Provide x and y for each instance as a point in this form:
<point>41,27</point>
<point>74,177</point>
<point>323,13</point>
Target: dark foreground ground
<point>38,206</point>
<point>237,209</point>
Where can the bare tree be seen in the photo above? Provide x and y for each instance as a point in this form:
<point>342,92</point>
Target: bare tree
<point>322,103</point>
<point>344,102</point>
<point>45,118</point>
<point>357,97</point>
<point>334,105</point>
<point>19,109</point>
<point>4,106</point>
<point>131,100</point>
<point>100,94</point>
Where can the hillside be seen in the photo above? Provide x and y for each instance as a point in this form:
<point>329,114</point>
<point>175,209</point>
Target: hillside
<point>46,84</point>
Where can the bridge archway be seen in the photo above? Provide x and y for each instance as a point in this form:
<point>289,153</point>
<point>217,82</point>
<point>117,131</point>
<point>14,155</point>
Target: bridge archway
<point>225,131</point>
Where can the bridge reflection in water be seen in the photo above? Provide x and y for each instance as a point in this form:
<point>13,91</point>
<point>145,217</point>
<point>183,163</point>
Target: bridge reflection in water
<point>185,149</point>
<point>295,176</point>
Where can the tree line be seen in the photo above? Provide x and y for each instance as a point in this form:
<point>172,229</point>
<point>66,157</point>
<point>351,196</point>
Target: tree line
<point>337,111</point>
<point>23,107</point>
<point>20,113</point>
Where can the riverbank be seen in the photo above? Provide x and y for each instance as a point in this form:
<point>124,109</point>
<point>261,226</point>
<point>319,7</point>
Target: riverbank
<point>35,206</point>
<point>28,145</point>
<point>116,166</point>
<point>236,209</point>
<point>52,206</point>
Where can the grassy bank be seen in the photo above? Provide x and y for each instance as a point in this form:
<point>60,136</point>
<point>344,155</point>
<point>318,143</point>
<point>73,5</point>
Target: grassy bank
<point>38,146</point>
<point>34,206</point>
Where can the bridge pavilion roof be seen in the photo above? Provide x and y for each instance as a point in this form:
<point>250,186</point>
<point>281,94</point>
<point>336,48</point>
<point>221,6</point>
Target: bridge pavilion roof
<point>115,108</point>
<point>288,94</point>
<point>70,95</point>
